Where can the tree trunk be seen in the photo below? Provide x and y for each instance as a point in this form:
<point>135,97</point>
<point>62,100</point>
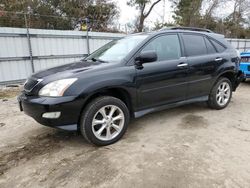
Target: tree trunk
<point>143,15</point>
<point>141,24</point>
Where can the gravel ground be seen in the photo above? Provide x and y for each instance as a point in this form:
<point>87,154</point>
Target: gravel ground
<point>190,146</point>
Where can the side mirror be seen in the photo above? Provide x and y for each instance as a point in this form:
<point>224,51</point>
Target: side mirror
<point>146,57</point>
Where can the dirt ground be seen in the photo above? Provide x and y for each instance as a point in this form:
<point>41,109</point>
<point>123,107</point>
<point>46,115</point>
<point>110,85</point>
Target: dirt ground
<point>190,146</point>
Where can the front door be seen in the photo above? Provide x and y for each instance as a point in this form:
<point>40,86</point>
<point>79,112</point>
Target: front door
<point>165,80</point>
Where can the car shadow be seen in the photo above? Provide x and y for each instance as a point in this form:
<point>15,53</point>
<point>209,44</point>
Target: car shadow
<point>55,138</point>
<point>75,139</point>
<point>247,82</point>
<point>137,124</point>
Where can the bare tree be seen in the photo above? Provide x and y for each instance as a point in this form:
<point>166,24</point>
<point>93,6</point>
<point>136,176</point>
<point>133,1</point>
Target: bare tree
<point>213,4</point>
<point>240,8</point>
<point>141,5</point>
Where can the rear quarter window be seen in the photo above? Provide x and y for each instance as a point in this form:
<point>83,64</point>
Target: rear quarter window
<point>219,47</point>
<point>210,48</point>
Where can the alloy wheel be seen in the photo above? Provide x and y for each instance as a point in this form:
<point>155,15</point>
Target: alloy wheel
<point>223,94</point>
<point>108,122</point>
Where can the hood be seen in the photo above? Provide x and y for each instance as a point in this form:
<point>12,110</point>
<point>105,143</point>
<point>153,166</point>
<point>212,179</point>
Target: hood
<point>66,70</point>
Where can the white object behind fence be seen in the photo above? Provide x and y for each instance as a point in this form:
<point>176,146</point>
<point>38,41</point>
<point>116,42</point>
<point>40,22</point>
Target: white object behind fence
<point>22,52</point>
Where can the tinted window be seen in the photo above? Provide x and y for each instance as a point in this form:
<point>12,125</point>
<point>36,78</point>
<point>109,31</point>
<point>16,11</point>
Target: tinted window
<point>167,47</point>
<point>194,45</point>
<point>117,49</point>
<point>218,46</point>
<point>210,47</point>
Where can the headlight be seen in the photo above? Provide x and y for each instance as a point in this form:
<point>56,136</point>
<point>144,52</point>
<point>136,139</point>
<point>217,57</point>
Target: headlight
<point>56,88</point>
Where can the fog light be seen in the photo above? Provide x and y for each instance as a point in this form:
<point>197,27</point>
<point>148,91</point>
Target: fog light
<point>51,115</point>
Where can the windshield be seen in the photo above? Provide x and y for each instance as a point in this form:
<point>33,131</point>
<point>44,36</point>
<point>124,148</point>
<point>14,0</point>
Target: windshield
<point>117,49</point>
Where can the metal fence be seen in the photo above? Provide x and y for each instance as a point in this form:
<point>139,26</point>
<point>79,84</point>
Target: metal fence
<point>240,44</point>
<point>25,51</point>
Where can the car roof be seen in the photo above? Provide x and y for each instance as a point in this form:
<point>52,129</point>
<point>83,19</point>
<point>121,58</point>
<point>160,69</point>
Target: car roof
<point>216,36</point>
<point>184,30</point>
<point>219,37</point>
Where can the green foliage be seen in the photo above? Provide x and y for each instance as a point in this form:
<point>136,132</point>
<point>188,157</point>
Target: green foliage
<point>158,25</point>
<point>58,14</point>
<point>187,12</point>
<point>137,3</point>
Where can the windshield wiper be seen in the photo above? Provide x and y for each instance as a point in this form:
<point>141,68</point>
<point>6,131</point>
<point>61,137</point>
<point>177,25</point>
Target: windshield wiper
<point>99,60</point>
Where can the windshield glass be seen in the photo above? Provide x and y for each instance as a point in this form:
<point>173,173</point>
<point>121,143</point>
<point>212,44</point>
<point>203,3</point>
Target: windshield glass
<point>117,49</point>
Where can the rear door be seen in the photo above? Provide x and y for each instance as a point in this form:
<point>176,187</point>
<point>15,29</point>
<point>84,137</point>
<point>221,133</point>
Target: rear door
<point>203,61</point>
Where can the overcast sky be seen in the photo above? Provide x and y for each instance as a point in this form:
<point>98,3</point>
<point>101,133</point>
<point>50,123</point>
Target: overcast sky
<point>128,14</point>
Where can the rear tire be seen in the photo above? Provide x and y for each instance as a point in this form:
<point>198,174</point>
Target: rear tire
<point>221,94</point>
<point>104,121</point>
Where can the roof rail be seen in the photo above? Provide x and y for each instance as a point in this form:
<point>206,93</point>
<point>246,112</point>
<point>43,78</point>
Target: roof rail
<point>187,28</point>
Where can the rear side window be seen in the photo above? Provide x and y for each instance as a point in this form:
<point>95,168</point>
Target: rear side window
<point>210,47</point>
<point>218,46</point>
<point>167,47</point>
<point>194,45</point>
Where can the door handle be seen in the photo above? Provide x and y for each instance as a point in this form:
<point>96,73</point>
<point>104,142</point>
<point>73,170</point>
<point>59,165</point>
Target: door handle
<point>218,59</point>
<point>182,65</point>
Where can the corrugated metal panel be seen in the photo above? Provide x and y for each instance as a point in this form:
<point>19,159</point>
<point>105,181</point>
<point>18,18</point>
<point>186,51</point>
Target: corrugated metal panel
<point>240,44</point>
<point>50,48</point>
<point>13,47</point>
<point>14,70</point>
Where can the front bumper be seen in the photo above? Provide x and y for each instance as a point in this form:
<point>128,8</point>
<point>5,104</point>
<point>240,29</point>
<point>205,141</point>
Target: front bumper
<point>69,107</point>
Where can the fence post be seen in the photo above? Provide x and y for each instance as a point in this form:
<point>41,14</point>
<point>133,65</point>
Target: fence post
<point>126,29</point>
<point>238,44</point>
<point>87,35</point>
<point>245,46</point>
<point>29,44</point>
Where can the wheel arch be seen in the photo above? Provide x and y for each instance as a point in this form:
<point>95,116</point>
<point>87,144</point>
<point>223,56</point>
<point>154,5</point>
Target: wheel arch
<point>117,92</point>
<point>229,75</point>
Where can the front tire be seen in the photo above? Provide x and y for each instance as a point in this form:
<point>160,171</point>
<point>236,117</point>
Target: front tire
<point>221,94</point>
<point>104,121</point>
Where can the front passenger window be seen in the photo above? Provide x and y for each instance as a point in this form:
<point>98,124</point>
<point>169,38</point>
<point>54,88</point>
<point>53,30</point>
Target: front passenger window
<point>167,47</point>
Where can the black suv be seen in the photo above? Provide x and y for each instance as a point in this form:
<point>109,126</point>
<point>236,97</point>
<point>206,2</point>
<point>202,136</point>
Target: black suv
<point>131,77</point>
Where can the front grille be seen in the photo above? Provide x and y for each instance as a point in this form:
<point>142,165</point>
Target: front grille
<point>30,84</point>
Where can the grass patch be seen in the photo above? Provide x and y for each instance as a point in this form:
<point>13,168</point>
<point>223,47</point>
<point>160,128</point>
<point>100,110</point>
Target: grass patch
<point>9,93</point>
